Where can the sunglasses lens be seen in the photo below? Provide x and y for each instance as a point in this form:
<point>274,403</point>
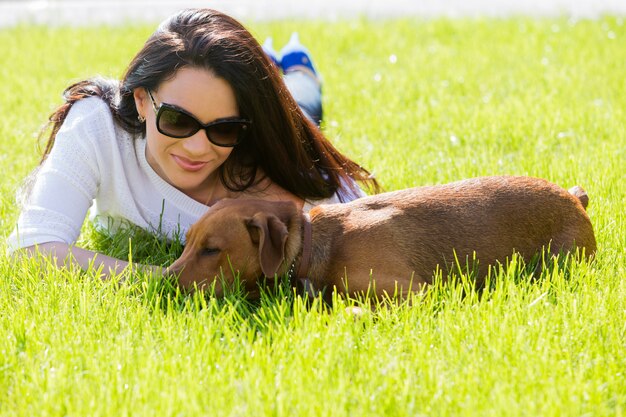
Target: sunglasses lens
<point>227,133</point>
<point>176,124</point>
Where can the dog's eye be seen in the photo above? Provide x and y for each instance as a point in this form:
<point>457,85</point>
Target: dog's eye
<point>209,251</point>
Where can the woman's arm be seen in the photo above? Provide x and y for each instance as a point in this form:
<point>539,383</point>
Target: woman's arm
<point>66,256</point>
<point>265,189</point>
<point>61,190</point>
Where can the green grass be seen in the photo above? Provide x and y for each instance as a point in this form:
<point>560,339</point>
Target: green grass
<point>417,102</point>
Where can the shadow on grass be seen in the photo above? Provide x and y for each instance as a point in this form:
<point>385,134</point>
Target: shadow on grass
<point>551,274</point>
<point>279,301</point>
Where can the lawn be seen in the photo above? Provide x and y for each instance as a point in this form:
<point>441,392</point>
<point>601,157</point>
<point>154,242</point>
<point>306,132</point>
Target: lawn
<point>417,102</point>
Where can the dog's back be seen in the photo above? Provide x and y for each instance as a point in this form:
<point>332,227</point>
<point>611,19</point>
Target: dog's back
<point>409,233</point>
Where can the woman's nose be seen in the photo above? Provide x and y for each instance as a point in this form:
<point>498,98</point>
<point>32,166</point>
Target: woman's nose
<point>198,143</point>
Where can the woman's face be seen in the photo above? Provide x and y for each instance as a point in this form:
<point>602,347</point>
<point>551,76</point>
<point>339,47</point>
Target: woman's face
<point>189,164</point>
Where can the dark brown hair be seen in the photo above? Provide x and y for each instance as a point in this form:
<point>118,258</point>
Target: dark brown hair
<point>283,142</point>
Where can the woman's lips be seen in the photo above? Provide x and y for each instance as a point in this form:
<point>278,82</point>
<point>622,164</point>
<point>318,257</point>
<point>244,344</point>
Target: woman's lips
<point>188,164</point>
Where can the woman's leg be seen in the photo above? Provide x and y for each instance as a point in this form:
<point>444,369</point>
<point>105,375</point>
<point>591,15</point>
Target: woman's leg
<point>307,91</point>
<point>300,75</point>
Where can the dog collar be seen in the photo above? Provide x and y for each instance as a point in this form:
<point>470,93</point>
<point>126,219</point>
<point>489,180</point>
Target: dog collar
<point>307,243</point>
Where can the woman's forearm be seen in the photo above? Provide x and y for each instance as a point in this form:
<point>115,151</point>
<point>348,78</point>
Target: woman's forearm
<point>64,255</point>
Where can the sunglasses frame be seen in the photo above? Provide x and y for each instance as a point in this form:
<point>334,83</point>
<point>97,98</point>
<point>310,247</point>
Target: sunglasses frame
<point>245,123</point>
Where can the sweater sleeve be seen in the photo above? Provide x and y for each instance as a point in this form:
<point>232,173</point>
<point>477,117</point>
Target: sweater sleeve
<point>67,182</point>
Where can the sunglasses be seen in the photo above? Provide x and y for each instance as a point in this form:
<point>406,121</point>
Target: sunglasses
<point>177,123</point>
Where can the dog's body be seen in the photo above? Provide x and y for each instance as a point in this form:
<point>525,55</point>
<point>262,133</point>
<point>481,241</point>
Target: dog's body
<point>394,240</point>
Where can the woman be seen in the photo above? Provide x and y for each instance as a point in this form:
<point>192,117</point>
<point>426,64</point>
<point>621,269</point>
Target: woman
<point>201,114</point>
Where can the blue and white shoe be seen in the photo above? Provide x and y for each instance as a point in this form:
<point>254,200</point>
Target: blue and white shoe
<point>295,56</point>
<point>268,48</point>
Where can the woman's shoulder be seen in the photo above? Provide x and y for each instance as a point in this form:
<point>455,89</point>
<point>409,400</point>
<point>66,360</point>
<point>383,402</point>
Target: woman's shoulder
<point>90,135</point>
<point>89,108</point>
<point>90,120</point>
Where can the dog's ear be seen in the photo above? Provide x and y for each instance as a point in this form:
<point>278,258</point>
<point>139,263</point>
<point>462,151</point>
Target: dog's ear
<point>270,234</point>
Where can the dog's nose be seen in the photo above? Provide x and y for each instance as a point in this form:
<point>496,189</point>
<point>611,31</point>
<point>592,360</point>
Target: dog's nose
<point>174,269</point>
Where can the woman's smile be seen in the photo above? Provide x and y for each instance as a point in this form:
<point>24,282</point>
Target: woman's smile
<point>188,164</point>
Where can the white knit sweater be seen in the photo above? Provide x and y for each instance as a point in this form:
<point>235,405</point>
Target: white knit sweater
<point>96,164</point>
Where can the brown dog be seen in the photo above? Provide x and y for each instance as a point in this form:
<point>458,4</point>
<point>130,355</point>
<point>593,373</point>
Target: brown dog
<point>394,240</point>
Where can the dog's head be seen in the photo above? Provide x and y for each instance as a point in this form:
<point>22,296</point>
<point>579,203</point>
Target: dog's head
<point>250,238</point>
